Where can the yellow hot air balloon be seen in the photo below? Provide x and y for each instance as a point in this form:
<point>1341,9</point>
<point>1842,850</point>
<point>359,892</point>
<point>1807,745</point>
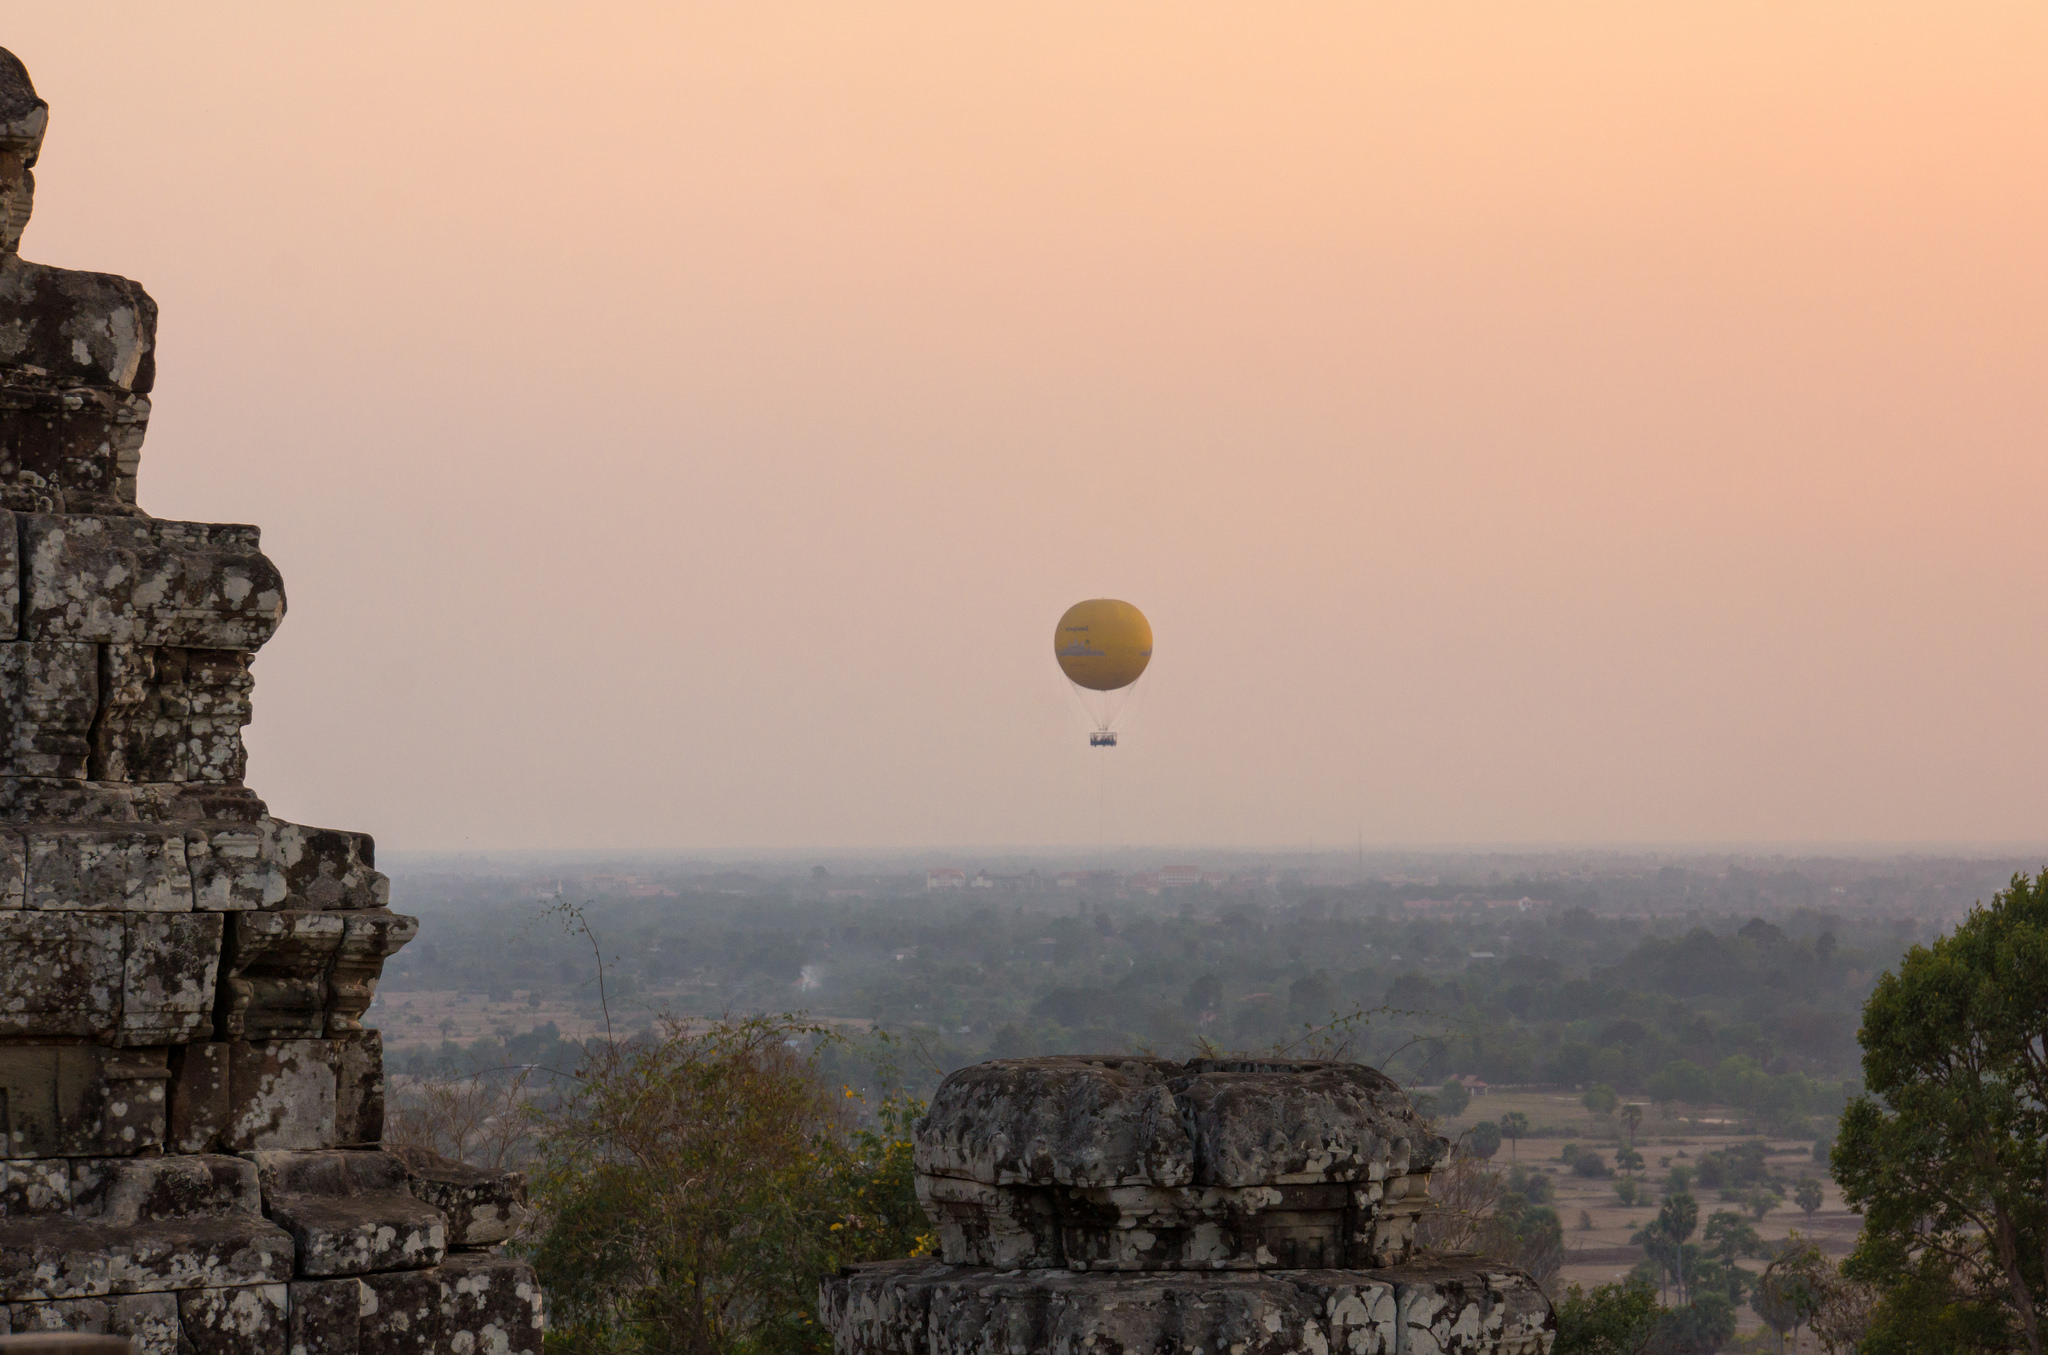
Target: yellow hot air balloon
<point>1103,646</point>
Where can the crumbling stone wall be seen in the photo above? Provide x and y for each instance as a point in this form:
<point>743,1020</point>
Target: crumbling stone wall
<point>190,1104</point>
<point>1249,1206</point>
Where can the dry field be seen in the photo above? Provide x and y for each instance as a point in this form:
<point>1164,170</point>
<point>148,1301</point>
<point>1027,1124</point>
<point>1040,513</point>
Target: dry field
<point>1601,1254</point>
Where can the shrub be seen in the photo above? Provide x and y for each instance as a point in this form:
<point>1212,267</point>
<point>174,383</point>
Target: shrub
<point>696,1184</point>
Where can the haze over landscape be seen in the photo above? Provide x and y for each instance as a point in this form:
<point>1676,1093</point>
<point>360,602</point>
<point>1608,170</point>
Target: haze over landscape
<point>1528,836</point>
<point>680,426</point>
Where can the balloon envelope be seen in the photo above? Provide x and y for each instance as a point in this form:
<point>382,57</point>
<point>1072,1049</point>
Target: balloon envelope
<point>1103,644</point>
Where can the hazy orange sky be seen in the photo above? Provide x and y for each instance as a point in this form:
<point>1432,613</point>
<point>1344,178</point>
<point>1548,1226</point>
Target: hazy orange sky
<point>680,425</point>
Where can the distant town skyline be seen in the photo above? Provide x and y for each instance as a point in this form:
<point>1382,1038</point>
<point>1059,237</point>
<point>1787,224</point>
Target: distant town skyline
<point>681,427</point>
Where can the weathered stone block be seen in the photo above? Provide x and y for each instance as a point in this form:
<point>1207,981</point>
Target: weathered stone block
<point>200,1104</point>
<point>483,1207</point>
<point>1457,1305</point>
<point>494,1304</point>
<point>1071,1120</point>
<point>326,1315</point>
<point>1134,1165</point>
<point>147,581</point>
<point>149,1321</point>
<point>1257,1122</point>
<point>79,328</point>
<point>276,973</point>
<point>328,868</point>
<point>68,448</point>
<point>13,870</point>
<point>985,1225</point>
<point>350,1212</point>
<point>169,714</point>
<point>61,1258</point>
<point>1129,1228</point>
<point>63,1343</point>
<point>49,694</point>
<point>108,870</point>
<point>168,982</point>
<point>35,1188</point>
<point>249,1320</point>
<point>408,1314</point>
<point>300,973</point>
<point>125,978</point>
<point>160,1189</point>
<point>10,555</point>
<point>234,867</point>
<point>48,800</point>
<point>63,974</point>
<point>359,1091</point>
<point>81,1100</point>
<point>370,938</point>
<point>281,1094</point>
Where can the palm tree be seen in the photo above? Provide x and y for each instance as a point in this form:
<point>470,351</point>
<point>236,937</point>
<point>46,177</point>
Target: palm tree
<point>1513,1126</point>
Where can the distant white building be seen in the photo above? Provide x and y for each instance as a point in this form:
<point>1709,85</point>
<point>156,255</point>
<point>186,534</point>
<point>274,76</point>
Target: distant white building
<point>945,878</point>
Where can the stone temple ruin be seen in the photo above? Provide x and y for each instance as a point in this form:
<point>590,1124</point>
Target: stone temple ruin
<point>191,1104</point>
<point>1217,1207</point>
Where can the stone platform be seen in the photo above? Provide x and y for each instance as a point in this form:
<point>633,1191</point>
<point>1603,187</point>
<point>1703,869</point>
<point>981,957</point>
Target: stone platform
<point>1222,1206</point>
<point>1449,1304</point>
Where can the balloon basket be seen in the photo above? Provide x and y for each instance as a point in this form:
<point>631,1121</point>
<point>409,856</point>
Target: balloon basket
<point>1104,739</point>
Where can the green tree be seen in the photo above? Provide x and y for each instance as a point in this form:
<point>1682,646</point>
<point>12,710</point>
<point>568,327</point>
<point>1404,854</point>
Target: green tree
<point>1802,1286</point>
<point>1614,1319</point>
<point>1601,1099</point>
<point>1729,1235</point>
<point>696,1183</point>
<point>1699,1328</point>
<point>1682,1081</point>
<point>1677,1218</point>
<point>1514,1127</point>
<point>1453,1097</point>
<point>1946,1156</point>
<point>1632,1117</point>
<point>1482,1140</point>
<point>1808,1196</point>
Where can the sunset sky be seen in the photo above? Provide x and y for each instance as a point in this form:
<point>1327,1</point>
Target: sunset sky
<point>680,426</point>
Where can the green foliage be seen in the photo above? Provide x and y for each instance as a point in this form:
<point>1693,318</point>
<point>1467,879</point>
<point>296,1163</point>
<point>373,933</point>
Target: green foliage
<point>1699,1328</point>
<point>697,1182</point>
<point>1534,1235</point>
<point>1583,1161</point>
<point>1663,1239</point>
<point>1945,1157</point>
<point>1601,1099</point>
<point>1514,1127</point>
<point>1809,1196</point>
<point>1536,1186</point>
<point>1734,1168</point>
<point>1628,1190</point>
<point>1453,1097</point>
<point>1482,1140</point>
<point>1729,1235</point>
<point>1613,1319</point>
